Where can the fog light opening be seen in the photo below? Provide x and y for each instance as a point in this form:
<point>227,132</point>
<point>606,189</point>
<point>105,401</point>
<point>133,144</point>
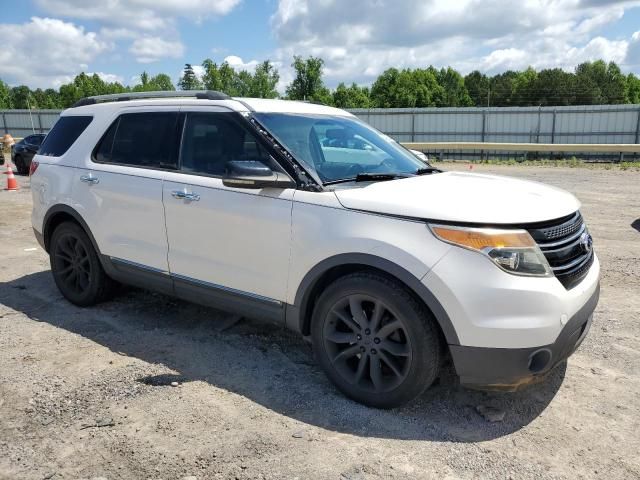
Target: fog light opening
<point>539,360</point>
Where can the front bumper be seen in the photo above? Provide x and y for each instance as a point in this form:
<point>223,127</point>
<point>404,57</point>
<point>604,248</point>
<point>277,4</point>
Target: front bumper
<point>510,368</point>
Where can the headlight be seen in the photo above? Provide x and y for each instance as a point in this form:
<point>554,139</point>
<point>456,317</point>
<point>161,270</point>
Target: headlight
<point>514,251</point>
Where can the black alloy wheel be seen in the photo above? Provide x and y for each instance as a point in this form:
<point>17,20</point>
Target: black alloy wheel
<point>76,267</point>
<point>375,341</point>
<point>368,343</point>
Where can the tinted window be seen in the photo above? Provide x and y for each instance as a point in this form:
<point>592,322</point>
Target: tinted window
<point>63,134</point>
<point>34,140</point>
<point>212,139</point>
<point>140,140</point>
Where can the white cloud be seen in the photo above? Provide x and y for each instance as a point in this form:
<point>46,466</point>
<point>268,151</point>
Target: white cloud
<point>46,52</point>
<point>117,33</point>
<point>633,52</point>
<point>505,59</point>
<point>108,77</point>
<point>238,64</point>
<point>151,25</point>
<point>361,38</point>
<point>141,14</point>
<point>150,49</point>
<point>198,70</point>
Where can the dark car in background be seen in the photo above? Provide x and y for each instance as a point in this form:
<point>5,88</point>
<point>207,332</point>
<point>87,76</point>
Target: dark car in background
<point>23,151</point>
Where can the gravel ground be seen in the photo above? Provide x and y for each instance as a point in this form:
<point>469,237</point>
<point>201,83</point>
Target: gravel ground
<point>146,386</point>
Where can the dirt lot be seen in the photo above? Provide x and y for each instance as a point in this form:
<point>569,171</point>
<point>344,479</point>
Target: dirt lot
<point>87,393</point>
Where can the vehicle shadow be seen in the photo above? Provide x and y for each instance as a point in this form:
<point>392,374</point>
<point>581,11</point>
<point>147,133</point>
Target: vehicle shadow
<point>267,365</point>
<point>636,224</point>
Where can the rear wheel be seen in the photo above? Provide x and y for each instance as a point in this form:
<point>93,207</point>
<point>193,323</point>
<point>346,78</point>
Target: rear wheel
<point>76,267</point>
<point>21,167</point>
<point>374,340</point>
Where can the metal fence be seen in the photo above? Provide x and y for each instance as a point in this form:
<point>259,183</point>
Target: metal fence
<point>608,124</point>
<point>20,123</point>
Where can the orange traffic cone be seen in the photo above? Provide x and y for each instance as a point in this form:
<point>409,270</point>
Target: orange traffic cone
<point>12,183</point>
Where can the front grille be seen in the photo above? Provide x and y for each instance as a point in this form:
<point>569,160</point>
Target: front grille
<point>567,245</point>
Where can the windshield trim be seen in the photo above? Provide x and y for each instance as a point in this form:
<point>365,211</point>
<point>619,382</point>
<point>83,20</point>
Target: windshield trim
<point>274,138</point>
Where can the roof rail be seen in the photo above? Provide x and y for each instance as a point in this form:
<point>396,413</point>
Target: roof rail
<point>125,96</point>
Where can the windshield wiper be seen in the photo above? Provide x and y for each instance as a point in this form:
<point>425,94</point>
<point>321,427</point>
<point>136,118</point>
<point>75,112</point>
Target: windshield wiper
<point>369,177</point>
<point>426,170</point>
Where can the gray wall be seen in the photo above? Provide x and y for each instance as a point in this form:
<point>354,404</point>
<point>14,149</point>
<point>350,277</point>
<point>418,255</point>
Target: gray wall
<point>584,124</point>
<point>19,122</point>
<point>588,124</point>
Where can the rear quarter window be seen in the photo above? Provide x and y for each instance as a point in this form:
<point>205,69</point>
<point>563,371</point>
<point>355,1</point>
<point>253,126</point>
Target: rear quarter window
<point>64,134</point>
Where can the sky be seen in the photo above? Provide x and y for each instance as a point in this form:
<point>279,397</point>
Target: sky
<point>45,43</point>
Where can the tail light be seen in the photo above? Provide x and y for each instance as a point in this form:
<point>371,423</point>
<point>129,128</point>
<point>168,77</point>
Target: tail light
<point>33,167</point>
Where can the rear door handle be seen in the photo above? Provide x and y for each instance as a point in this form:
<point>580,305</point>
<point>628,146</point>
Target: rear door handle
<point>90,179</point>
<point>182,195</point>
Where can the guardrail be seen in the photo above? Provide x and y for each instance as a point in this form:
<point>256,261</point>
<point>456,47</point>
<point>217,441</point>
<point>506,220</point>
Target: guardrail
<point>484,147</point>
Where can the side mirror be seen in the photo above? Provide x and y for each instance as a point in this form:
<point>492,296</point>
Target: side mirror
<point>254,174</point>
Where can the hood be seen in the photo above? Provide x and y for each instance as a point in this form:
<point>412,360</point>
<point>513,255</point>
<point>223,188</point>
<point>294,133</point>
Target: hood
<point>462,197</point>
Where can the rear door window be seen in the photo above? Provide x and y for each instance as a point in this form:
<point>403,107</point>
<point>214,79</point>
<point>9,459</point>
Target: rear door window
<point>63,134</point>
<point>146,139</point>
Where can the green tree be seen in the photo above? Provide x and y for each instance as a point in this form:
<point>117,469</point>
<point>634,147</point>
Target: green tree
<point>189,79</point>
<point>242,84</point>
<point>221,78</point>
<point>69,94</point>
<point>633,88</point>
<point>552,86</point>
<point>453,92</point>
<point>45,99</point>
<point>160,82</point>
<point>5,95</point>
<point>211,78</point>
<point>477,84</point>
<point>21,97</point>
<point>384,89</point>
<point>501,89</point>
<point>227,78</point>
<point>264,82</point>
<point>406,88</point>
<point>601,83</point>
<point>163,82</point>
<point>308,84</point>
<point>524,88</point>
<point>52,99</point>
<point>351,97</point>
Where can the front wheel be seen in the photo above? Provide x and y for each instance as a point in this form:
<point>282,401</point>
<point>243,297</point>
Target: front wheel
<point>76,267</point>
<point>375,341</point>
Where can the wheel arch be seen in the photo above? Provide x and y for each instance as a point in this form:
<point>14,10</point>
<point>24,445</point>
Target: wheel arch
<point>298,316</point>
<point>58,214</point>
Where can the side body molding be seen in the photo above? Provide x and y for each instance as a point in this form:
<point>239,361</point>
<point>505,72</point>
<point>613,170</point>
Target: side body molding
<point>297,318</point>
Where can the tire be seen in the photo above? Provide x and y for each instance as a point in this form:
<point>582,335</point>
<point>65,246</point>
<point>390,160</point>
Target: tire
<point>387,355</point>
<point>76,267</point>
<point>21,168</point>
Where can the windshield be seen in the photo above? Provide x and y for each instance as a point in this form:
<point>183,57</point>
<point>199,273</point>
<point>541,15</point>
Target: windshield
<point>339,148</point>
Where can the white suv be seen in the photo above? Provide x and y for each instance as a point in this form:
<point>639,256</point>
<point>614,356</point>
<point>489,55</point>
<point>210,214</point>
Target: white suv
<point>304,215</point>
